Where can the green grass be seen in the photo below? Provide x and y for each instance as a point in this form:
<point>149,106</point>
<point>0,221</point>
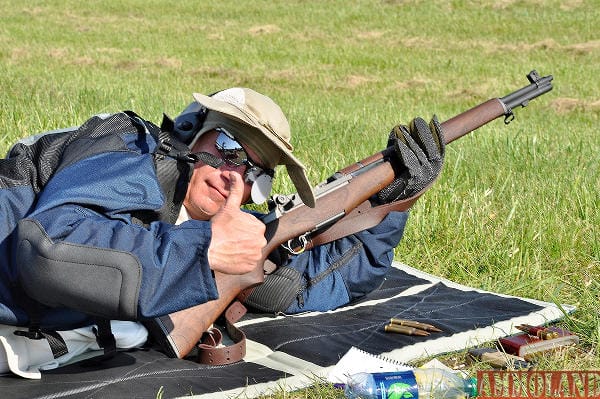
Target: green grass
<point>516,208</point>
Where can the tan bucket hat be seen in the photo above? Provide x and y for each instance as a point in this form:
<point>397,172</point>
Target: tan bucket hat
<point>258,122</point>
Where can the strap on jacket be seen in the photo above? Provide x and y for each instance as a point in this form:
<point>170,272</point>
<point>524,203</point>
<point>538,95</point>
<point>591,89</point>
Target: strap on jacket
<point>34,312</point>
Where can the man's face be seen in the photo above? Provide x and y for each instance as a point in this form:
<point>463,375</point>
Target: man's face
<point>209,187</point>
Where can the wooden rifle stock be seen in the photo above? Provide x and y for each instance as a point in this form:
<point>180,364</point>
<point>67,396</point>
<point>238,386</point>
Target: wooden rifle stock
<point>342,208</point>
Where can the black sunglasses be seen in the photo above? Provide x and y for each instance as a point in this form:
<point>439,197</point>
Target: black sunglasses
<point>233,153</point>
<point>231,150</point>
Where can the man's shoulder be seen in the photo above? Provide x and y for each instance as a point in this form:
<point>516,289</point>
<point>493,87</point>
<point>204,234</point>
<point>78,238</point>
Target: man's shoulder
<point>120,123</point>
<point>122,131</point>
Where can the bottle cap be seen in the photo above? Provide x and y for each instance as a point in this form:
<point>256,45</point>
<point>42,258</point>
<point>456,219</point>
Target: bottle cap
<point>471,387</point>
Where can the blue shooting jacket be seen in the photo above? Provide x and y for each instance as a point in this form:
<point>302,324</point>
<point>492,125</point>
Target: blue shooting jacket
<point>83,190</point>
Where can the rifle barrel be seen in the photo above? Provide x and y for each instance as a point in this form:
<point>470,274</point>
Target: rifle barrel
<point>522,96</point>
<point>483,113</point>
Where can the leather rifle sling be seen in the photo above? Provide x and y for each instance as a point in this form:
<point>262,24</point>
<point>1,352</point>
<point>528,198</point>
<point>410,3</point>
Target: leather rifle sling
<point>361,218</point>
<point>208,350</point>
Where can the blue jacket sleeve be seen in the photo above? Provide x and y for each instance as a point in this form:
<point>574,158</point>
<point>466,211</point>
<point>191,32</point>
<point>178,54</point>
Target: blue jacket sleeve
<point>336,273</point>
<point>90,202</point>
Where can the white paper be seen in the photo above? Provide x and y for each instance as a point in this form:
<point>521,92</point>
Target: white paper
<point>359,361</point>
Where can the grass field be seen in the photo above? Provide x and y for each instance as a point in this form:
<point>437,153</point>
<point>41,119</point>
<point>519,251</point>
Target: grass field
<point>516,208</point>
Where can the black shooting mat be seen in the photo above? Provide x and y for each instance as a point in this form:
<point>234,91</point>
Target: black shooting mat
<point>396,280</point>
<point>448,309</point>
<point>136,374</point>
<point>290,352</point>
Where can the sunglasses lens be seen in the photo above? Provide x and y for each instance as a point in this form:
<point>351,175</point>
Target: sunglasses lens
<point>231,151</point>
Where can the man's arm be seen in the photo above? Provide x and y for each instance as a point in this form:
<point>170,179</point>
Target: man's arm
<point>88,204</point>
<point>235,256</point>
<point>333,274</point>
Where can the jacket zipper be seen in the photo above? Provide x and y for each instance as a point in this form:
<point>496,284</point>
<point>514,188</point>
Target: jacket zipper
<point>346,256</point>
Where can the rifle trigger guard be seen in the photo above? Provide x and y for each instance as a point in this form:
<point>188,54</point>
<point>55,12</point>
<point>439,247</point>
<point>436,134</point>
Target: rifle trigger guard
<point>303,244</point>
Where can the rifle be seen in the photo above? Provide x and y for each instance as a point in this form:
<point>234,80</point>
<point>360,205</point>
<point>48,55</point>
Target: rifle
<point>342,208</point>
<point>342,201</point>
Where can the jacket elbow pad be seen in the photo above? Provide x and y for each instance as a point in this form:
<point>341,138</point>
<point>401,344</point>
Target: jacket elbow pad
<point>97,281</point>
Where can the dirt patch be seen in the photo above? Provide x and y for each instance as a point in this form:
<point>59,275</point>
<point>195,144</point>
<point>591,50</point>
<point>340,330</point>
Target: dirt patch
<point>19,53</point>
<point>59,53</point>
<point>495,47</point>
<point>127,65</point>
<point>89,21</point>
<point>565,105</point>
<point>570,4</point>
<point>264,29</point>
<point>584,48</point>
<point>565,5</point>
<point>112,50</point>
<point>546,44</point>
<point>67,57</point>
<point>169,62</point>
<point>412,83</point>
<point>35,11</point>
<point>216,36</point>
<point>418,42</point>
<point>369,35</point>
<point>84,60</point>
<point>357,80</point>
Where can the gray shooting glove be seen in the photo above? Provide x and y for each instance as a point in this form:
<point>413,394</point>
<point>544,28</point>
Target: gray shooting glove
<point>419,148</point>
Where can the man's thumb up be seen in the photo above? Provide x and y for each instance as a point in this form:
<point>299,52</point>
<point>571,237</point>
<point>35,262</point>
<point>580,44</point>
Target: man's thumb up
<point>237,237</point>
<point>236,191</point>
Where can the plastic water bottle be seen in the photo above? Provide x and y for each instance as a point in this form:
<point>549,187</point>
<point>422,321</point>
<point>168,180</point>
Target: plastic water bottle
<point>425,383</point>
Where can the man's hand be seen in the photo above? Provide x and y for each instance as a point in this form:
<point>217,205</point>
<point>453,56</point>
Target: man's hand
<point>419,150</point>
<point>237,237</point>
